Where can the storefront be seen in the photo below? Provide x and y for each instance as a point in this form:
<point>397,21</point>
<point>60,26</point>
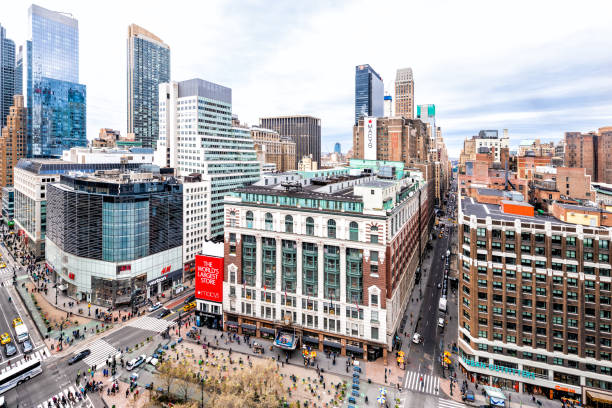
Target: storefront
<point>354,349</point>
<point>267,331</point>
<point>597,398</point>
<point>167,281</point>
<point>374,352</point>
<point>249,327</point>
<point>310,339</point>
<point>332,345</point>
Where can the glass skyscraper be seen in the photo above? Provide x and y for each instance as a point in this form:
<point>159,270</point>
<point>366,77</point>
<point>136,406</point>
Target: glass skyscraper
<point>55,99</point>
<point>148,66</point>
<point>369,92</point>
<point>7,75</point>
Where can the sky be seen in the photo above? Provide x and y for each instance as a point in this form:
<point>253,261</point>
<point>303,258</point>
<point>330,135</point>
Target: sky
<point>537,68</point>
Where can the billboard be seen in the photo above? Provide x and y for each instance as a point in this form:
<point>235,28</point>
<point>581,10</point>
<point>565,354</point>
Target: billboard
<point>369,131</point>
<point>209,278</point>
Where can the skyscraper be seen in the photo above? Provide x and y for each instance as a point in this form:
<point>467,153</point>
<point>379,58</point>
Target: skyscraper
<point>7,75</point>
<point>148,66</point>
<point>13,140</point>
<point>19,71</point>
<point>427,114</point>
<point>304,130</point>
<point>337,148</point>
<point>369,92</point>
<point>404,93</point>
<point>54,98</point>
<point>224,156</point>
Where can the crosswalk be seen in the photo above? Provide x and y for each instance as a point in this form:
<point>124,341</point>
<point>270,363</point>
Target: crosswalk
<point>100,352</point>
<point>41,354</point>
<point>444,403</point>
<point>83,403</point>
<point>151,324</point>
<point>429,385</point>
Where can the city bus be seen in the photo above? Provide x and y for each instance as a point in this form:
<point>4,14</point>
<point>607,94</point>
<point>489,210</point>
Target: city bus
<point>19,374</point>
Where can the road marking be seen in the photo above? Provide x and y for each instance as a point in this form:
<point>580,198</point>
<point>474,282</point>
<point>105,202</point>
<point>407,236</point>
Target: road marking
<point>151,324</point>
<point>445,403</point>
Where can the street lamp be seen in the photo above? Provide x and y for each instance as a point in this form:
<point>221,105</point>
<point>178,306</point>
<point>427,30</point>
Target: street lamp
<point>179,324</point>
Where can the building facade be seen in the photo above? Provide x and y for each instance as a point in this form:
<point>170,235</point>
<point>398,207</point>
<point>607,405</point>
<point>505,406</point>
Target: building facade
<point>115,237</point>
<point>196,224</point>
<point>404,93</point>
<point>272,148</point>
<point>333,263</point>
<point>305,131</point>
<point>534,301</point>
<point>369,93</point>
<point>13,140</point>
<point>196,136</point>
<point>148,66</point>
<point>7,75</point>
<point>31,177</point>
<point>55,100</point>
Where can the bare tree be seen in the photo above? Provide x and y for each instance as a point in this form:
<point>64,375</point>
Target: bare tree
<point>167,375</point>
<point>185,379</point>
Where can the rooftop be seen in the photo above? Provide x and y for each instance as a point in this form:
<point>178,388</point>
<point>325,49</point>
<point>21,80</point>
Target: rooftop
<point>469,206</point>
<point>308,191</point>
<point>490,192</point>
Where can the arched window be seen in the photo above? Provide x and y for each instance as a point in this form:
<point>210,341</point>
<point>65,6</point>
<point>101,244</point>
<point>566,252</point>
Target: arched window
<point>374,234</point>
<point>354,231</point>
<point>331,229</point>
<point>309,226</point>
<point>249,219</point>
<point>269,222</point>
<point>232,217</point>
<point>288,224</point>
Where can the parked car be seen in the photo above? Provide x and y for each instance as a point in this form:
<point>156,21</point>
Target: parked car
<point>417,338</point>
<point>79,356</point>
<point>27,346</point>
<point>132,364</point>
<point>155,306</point>
<point>5,338</point>
<point>189,299</point>
<point>441,322</point>
<point>164,312</point>
<point>10,349</point>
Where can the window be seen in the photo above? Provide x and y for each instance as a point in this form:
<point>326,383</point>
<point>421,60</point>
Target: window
<point>309,226</point>
<point>604,244</point>
<point>331,229</point>
<point>374,234</point>
<point>481,232</point>
<point>354,231</point>
<point>588,242</point>
<point>249,219</point>
<point>373,300</point>
<point>570,254</point>
<point>289,224</point>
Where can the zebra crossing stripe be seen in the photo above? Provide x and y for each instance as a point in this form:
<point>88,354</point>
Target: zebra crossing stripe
<point>150,323</point>
<point>444,403</point>
<point>429,385</point>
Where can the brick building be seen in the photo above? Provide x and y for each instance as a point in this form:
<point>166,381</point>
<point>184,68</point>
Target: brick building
<point>13,140</point>
<point>331,261</point>
<point>593,151</point>
<point>271,147</point>
<point>534,302</point>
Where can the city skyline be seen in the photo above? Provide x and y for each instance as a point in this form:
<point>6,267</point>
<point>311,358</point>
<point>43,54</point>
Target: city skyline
<point>535,93</point>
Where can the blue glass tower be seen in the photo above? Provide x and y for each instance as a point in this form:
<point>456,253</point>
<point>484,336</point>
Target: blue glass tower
<point>369,92</point>
<point>7,75</point>
<point>56,101</point>
<point>337,148</point>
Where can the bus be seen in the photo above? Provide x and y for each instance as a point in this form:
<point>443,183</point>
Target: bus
<point>19,374</point>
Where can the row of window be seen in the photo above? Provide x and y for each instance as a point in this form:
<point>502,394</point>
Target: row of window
<point>527,236</point>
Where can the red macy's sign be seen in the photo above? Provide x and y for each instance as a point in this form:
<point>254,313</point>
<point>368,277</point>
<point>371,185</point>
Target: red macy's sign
<point>209,278</point>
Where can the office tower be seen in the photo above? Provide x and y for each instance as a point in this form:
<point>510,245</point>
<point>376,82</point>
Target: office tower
<point>223,155</point>
<point>592,152</point>
<point>19,71</point>
<point>120,232</point>
<point>388,105</point>
<point>404,93</point>
<point>369,92</point>
<point>337,148</point>
<point>7,75</point>
<point>13,140</point>
<point>54,98</point>
<point>272,148</point>
<point>305,131</point>
<point>148,66</point>
<point>427,114</point>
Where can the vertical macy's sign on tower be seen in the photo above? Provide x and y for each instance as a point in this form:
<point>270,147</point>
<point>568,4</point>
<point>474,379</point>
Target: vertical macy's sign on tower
<point>209,278</point>
<point>370,136</point>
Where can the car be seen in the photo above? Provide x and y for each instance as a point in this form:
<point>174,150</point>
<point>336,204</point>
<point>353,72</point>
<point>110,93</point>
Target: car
<point>17,321</point>
<point>2,265</point>
<point>132,364</point>
<point>5,338</point>
<point>189,306</point>
<point>155,306</point>
<point>439,285</point>
<point>417,338</point>
<point>468,396</point>
<point>164,312</point>
<point>27,346</point>
<point>10,349</point>
<point>79,356</point>
<point>442,256</point>
<point>441,322</point>
<point>189,299</point>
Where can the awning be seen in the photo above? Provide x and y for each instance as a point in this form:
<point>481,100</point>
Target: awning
<point>599,397</point>
<point>308,339</point>
<point>248,326</point>
<point>266,330</point>
<point>332,344</point>
<point>354,349</point>
<point>232,324</point>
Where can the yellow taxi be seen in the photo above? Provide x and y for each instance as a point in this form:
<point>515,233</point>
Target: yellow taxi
<point>189,306</point>
<point>2,265</point>
<point>17,321</point>
<point>5,338</point>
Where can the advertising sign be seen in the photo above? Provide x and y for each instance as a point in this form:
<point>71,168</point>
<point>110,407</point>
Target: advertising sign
<point>209,278</point>
<point>369,131</point>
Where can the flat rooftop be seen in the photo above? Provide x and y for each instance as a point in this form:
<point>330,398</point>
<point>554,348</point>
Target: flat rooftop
<point>305,192</point>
